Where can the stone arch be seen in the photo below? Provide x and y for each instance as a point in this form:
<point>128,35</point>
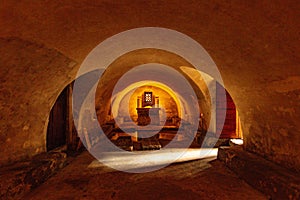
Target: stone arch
<point>32,78</point>
<point>135,58</point>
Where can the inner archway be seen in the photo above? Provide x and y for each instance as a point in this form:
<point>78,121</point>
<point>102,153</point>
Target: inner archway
<point>126,102</point>
<point>157,98</point>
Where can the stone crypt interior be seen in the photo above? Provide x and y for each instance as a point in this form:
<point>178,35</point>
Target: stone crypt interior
<point>141,105</point>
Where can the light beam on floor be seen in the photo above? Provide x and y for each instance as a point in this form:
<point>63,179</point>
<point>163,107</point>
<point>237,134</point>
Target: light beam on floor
<point>148,159</point>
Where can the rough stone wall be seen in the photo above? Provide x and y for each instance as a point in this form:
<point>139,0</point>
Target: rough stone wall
<point>32,77</point>
<point>270,121</point>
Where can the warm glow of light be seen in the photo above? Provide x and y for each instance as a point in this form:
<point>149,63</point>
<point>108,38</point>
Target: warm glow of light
<point>237,141</point>
<point>119,96</point>
<point>239,132</point>
<point>146,159</point>
<point>200,78</point>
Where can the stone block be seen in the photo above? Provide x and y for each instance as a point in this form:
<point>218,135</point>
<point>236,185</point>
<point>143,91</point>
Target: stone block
<point>271,179</point>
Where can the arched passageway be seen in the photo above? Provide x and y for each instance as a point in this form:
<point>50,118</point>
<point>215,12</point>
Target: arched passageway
<point>254,45</point>
<point>122,107</point>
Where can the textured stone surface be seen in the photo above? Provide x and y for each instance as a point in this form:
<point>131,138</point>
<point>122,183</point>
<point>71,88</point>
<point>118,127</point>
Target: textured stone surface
<point>32,76</point>
<point>20,178</point>
<point>275,181</point>
<point>254,44</point>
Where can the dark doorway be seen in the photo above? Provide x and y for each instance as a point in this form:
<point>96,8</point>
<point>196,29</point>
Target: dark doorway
<point>57,126</point>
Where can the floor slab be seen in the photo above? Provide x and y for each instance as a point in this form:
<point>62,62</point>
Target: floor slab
<point>200,179</point>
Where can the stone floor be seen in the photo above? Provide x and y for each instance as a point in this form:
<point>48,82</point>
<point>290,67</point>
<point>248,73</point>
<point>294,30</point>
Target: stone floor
<point>201,179</point>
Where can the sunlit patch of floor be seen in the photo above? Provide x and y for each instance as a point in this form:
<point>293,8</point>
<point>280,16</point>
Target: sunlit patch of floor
<point>151,159</point>
<point>204,178</point>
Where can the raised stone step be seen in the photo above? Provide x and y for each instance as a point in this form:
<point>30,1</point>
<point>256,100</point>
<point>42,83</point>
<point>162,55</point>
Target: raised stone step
<point>273,180</point>
<point>19,178</point>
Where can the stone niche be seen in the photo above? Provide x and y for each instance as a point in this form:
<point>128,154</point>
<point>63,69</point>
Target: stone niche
<point>161,107</point>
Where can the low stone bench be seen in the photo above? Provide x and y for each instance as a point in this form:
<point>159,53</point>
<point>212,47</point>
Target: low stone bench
<point>271,179</point>
<point>19,178</point>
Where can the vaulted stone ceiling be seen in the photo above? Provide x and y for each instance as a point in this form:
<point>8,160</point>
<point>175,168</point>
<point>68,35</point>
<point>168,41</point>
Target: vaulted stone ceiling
<point>255,45</point>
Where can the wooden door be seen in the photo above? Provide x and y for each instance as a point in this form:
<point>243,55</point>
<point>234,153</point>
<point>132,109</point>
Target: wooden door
<point>57,127</point>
